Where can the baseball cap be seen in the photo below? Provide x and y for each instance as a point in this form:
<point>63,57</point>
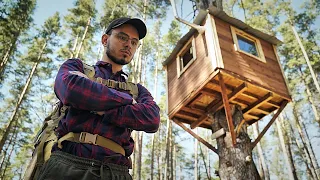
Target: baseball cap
<point>135,22</point>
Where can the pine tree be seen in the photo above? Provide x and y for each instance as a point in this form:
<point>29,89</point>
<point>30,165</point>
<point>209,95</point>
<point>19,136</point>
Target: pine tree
<point>14,21</point>
<point>40,47</point>
<point>80,26</point>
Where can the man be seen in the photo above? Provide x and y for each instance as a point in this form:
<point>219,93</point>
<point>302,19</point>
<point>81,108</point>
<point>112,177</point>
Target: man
<point>100,119</point>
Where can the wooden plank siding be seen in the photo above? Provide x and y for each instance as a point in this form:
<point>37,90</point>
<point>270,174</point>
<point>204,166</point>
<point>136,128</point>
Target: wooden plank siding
<point>266,74</point>
<point>192,78</point>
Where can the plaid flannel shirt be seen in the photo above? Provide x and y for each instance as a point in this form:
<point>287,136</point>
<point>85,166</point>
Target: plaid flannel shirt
<point>120,118</point>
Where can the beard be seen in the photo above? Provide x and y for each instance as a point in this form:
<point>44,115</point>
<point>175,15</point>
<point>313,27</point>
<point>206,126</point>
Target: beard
<point>120,61</point>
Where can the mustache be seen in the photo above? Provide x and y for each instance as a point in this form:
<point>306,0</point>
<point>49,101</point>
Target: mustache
<point>126,49</point>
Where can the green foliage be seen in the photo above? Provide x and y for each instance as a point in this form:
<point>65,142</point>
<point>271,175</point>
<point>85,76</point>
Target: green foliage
<point>15,20</point>
<point>37,53</point>
<point>75,25</point>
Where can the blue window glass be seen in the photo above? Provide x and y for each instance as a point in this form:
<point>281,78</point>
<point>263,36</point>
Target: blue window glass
<point>247,45</point>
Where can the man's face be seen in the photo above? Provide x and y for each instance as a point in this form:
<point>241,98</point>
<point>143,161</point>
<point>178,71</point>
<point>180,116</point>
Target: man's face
<point>122,44</point>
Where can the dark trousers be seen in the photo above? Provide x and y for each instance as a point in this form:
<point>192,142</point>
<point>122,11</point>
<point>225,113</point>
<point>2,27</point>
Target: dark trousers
<point>62,166</point>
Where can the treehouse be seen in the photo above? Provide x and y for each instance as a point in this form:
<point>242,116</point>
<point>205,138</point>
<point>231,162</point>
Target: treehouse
<point>224,62</point>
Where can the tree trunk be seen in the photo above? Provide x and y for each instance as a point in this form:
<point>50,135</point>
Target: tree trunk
<point>152,156</point>
<point>99,55</point>
<point>73,51</point>
<point>305,156</point>
<point>306,141</point>
<point>140,155</point>
<point>265,170</point>
<point>139,159</point>
<point>10,153</point>
<point>204,162</point>
<point>138,63</point>
<point>134,154</point>
<point>234,162</point>
<point>205,4</point>
<point>83,37</point>
<point>174,162</point>
<point>196,144</point>
<point>286,153</point>
<point>309,96</point>
<point>159,164</point>
<point>12,118</point>
<point>171,152</point>
<point>287,141</point>
<point>7,148</point>
<point>166,169</point>
<point>6,58</point>
<point>315,81</point>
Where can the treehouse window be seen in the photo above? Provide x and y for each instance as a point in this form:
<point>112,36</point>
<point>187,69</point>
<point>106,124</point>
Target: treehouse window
<point>186,56</point>
<point>247,44</point>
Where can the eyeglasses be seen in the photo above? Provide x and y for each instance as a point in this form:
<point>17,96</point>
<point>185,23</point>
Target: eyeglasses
<point>124,38</point>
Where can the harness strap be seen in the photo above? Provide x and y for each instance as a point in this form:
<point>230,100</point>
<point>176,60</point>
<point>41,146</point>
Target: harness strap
<point>94,139</point>
<point>126,86</point>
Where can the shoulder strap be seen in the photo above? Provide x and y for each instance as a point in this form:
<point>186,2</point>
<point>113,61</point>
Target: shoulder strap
<point>89,71</point>
<point>126,86</point>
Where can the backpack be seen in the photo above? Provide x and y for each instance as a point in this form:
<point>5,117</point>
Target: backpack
<point>46,136</point>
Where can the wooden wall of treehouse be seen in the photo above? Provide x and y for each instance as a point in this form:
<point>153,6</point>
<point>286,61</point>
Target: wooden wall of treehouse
<point>180,87</point>
<point>268,73</point>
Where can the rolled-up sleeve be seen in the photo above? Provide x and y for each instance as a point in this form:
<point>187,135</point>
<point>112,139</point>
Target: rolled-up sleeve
<point>82,93</point>
<point>142,116</point>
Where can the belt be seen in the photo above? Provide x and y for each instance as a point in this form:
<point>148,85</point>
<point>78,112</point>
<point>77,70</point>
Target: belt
<point>94,139</point>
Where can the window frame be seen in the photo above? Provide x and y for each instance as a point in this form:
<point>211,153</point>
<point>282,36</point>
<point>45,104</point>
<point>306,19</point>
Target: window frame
<point>249,37</point>
<point>182,52</point>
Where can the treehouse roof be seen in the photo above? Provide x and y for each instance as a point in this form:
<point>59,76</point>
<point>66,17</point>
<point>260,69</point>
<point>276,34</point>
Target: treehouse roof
<point>223,16</point>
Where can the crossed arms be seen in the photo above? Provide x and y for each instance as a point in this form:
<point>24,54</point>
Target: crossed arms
<point>73,88</point>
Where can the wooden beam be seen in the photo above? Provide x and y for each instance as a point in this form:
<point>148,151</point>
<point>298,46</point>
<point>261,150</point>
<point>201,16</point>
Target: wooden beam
<point>211,93</point>
<point>198,107</point>
<point>183,116</point>
<point>195,135</point>
<point>231,97</point>
<point>218,133</point>
<point>241,102</point>
<point>195,99</point>
<point>265,98</point>
<point>264,88</point>
<point>227,109</point>
<point>188,113</point>
<point>194,93</point>
<point>251,116</point>
<point>219,104</point>
<point>283,105</point>
<point>262,111</point>
<point>247,94</point>
<point>274,104</point>
<point>229,87</point>
<point>193,110</point>
<point>255,97</point>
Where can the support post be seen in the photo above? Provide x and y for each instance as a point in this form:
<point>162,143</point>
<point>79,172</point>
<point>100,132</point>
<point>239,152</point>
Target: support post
<point>195,136</point>
<point>227,109</point>
<point>283,105</point>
